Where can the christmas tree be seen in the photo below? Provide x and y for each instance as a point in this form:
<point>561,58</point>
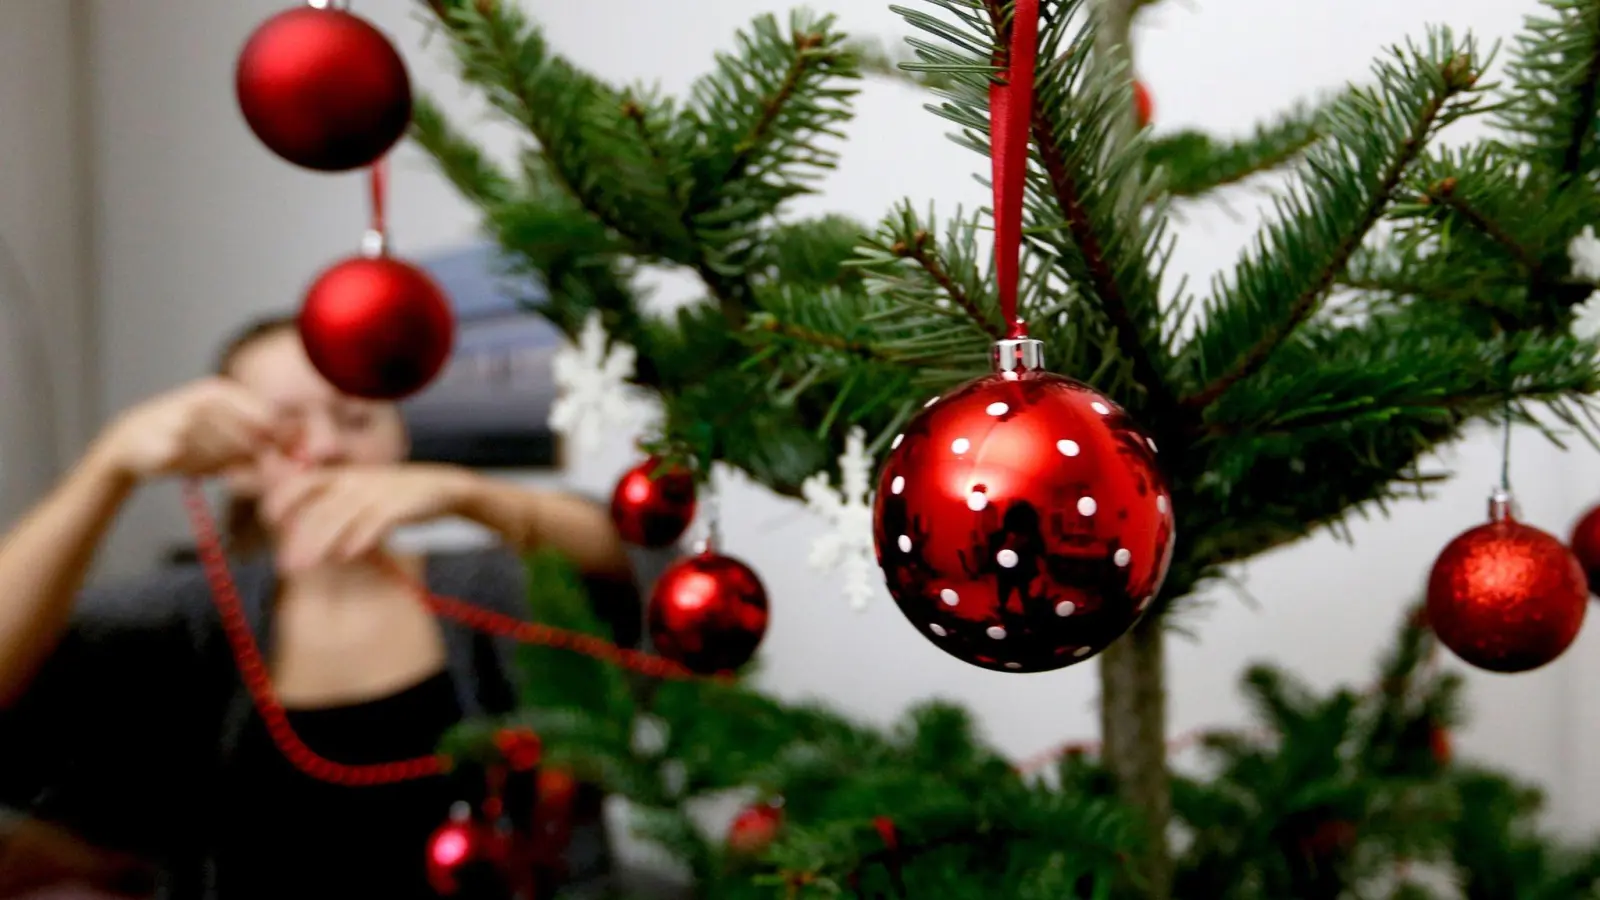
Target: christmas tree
<point>1400,291</point>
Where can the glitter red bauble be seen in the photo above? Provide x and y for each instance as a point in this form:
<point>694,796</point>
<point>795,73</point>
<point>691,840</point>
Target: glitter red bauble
<point>377,327</point>
<point>1506,597</point>
<point>653,504</point>
<point>465,856</point>
<point>1022,522</point>
<point>323,89</point>
<point>1585,544</point>
<point>708,613</point>
<point>754,829</point>
<point>1143,106</point>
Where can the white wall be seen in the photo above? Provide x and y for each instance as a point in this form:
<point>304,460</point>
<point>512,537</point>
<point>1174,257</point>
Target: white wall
<point>44,289</point>
<point>199,227</point>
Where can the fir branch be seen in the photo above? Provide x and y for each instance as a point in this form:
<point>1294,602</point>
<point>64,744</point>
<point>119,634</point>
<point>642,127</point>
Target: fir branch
<point>1443,193</point>
<point>1554,96</point>
<point>800,334</point>
<point>459,159</point>
<point>1196,164</point>
<point>917,250</point>
<point>1375,136</point>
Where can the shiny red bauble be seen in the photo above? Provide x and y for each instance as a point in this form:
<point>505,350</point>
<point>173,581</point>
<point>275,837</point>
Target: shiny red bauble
<point>377,327</point>
<point>653,504</point>
<point>323,89</point>
<point>708,613</point>
<point>1143,106</point>
<point>1585,545</point>
<point>754,829</point>
<point>1022,523</point>
<point>1506,597</point>
<point>466,855</point>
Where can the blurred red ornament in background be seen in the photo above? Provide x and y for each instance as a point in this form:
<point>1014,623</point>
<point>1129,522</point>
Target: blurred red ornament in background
<point>376,327</point>
<point>1143,107</point>
<point>323,89</point>
<point>754,829</point>
<point>708,613</point>
<point>1585,544</point>
<point>653,505</point>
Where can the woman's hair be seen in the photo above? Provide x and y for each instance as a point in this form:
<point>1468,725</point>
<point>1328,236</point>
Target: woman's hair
<point>241,523</point>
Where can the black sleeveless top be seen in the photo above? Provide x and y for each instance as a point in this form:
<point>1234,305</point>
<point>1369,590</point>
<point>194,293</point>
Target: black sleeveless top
<point>285,835</point>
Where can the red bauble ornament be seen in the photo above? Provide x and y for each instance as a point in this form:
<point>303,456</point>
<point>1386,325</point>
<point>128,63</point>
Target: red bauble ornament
<point>1585,546</point>
<point>754,829</point>
<point>1143,106</point>
<point>653,505</point>
<point>466,854</point>
<point>1505,596</point>
<point>323,89</point>
<point>1440,745</point>
<point>708,613</point>
<point>377,327</point>
<point>520,747</point>
<point>1021,521</point>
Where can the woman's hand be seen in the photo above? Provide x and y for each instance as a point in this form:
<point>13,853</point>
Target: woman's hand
<point>343,514</point>
<point>199,429</point>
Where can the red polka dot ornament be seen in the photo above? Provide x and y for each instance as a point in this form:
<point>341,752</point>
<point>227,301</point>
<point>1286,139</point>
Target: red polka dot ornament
<point>1021,520</point>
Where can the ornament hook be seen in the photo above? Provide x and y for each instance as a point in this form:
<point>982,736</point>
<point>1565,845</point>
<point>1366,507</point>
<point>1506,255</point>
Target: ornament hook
<point>1502,506</point>
<point>1012,356</point>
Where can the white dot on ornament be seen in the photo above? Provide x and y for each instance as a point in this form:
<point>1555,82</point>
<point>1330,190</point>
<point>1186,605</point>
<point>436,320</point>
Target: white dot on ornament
<point>997,409</point>
<point>1013,665</point>
<point>1161,503</point>
<point>1122,557</point>
<point>1008,375</point>
<point>977,500</point>
<point>898,484</point>
<point>996,632</point>
<point>1100,408</point>
<point>1067,448</point>
<point>1066,608</point>
<point>1087,506</point>
<point>938,629</point>
<point>905,543</point>
<point>1006,558</point>
<point>930,403</point>
<point>1081,652</point>
<point>960,446</point>
<point>950,597</point>
<point>895,444</point>
<point>1152,443</point>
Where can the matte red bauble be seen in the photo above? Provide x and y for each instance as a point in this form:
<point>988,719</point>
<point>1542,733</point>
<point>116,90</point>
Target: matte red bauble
<point>708,613</point>
<point>754,829</point>
<point>323,89</point>
<point>1143,106</point>
<point>1021,521</point>
<point>1585,546</point>
<point>1506,597</point>
<point>466,855</point>
<point>653,505</point>
<point>377,327</point>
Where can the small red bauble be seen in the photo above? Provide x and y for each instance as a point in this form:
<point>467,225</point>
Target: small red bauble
<point>1022,523</point>
<point>1506,597</point>
<point>520,747</point>
<point>653,505</point>
<point>1440,745</point>
<point>754,829</point>
<point>466,853</point>
<point>377,327</point>
<point>323,89</point>
<point>708,613</point>
<point>1143,106</point>
<point>1585,545</point>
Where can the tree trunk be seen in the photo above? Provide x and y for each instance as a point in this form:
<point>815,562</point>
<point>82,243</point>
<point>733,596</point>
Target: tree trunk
<point>1133,728</point>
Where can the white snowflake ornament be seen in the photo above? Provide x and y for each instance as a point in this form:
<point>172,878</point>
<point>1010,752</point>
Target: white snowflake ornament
<point>595,397</point>
<point>1585,253</point>
<point>847,545</point>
